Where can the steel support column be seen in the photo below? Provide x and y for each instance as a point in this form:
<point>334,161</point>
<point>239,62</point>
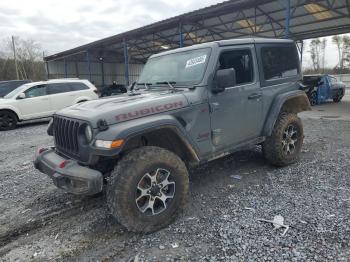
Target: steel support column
<point>65,68</point>
<point>102,72</point>
<point>47,70</point>
<point>89,64</point>
<point>301,53</point>
<point>300,47</point>
<point>76,68</point>
<point>287,21</point>
<point>181,37</point>
<point>126,62</point>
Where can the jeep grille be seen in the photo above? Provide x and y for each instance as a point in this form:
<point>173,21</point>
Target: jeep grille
<point>66,135</point>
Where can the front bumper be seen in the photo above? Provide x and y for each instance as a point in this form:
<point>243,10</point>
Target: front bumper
<point>67,174</point>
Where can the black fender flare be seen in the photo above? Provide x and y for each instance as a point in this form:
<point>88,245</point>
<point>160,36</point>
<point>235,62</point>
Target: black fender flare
<point>291,102</point>
<point>130,129</point>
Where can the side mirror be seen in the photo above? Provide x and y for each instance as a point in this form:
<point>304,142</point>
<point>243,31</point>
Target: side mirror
<point>21,96</point>
<point>225,78</point>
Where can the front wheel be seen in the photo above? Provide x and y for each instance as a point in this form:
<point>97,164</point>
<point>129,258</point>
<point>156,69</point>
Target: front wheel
<point>8,120</point>
<point>284,145</point>
<point>148,189</point>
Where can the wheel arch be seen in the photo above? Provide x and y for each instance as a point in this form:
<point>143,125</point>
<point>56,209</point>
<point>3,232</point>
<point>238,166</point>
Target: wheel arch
<point>164,131</point>
<point>12,111</point>
<point>167,137</point>
<point>290,102</point>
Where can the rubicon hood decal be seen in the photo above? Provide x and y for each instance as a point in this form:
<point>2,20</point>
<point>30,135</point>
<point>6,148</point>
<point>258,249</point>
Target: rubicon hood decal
<point>124,108</point>
<point>149,111</point>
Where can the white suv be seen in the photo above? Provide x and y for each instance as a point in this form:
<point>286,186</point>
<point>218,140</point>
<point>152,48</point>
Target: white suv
<point>43,99</point>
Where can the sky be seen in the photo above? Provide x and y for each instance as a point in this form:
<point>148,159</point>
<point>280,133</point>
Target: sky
<point>64,24</point>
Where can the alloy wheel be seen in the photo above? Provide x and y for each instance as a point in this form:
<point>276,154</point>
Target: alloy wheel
<point>290,137</point>
<point>155,191</point>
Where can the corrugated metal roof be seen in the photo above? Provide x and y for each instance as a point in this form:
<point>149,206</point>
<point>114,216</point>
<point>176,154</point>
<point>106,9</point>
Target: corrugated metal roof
<point>229,19</point>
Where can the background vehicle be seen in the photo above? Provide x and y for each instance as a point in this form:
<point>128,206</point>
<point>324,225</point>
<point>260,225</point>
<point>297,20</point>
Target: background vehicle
<point>8,86</point>
<point>190,106</point>
<point>323,88</point>
<point>114,89</point>
<point>42,99</point>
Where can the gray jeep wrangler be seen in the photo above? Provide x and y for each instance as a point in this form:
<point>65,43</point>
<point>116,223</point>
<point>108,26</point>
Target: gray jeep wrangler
<point>190,106</point>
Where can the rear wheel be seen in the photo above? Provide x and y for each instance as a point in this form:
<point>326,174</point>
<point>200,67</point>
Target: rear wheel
<point>8,120</point>
<point>313,98</point>
<point>284,145</point>
<point>338,97</point>
<point>148,189</point>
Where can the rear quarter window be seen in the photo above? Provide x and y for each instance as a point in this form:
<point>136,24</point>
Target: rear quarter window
<point>278,63</point>
<point>78,86</point>
<point>58,88</point>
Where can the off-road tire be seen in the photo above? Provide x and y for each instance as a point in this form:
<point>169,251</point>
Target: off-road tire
<point>313,98</point>
<point>273,145</point>
<point>10,118</point>
<point>124,180</point>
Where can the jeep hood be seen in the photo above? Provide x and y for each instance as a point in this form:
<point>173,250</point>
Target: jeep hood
<point>125,107</point>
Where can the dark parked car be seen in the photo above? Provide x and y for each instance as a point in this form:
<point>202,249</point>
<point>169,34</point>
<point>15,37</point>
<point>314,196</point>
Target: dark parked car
<point>8,86</point>
<point>114,89</point>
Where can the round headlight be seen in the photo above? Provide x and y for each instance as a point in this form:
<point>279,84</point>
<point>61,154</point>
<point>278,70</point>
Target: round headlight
<point>88,133</point>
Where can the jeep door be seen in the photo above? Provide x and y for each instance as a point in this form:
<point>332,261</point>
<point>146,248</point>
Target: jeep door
<point>235,112</point>
<point>36,103</point>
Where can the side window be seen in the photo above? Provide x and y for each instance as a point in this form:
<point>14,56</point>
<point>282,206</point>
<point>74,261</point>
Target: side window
<point>58,88</point>
<point>78,86</point>
<point>36,91</point>
<point>279,62</point>
<point>241,61</point>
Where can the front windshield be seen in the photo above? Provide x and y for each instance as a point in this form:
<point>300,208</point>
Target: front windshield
<point>16,91</point>
<point>182,68</point>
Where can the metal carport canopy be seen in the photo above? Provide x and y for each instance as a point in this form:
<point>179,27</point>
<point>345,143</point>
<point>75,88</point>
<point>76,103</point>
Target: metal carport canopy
<point>295,19</point>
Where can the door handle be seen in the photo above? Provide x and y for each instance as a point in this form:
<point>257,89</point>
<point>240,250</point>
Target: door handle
<point>254,96</point>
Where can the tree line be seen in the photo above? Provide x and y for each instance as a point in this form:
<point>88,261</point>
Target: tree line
<point>29,56</point>
<point>317,51</point>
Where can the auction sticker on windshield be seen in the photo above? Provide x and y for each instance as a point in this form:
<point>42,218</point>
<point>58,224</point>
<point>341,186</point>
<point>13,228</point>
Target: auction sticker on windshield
<point>196,61</point>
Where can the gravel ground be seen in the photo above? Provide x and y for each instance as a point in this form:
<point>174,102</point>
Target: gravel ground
<point>228,197</point>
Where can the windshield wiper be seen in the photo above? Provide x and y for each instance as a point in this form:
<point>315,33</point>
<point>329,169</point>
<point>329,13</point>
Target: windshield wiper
<point>169,83</point>
<point>146,85</point>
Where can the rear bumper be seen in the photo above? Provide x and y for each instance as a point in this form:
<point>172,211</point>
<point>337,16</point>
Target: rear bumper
<point>67,174</point>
